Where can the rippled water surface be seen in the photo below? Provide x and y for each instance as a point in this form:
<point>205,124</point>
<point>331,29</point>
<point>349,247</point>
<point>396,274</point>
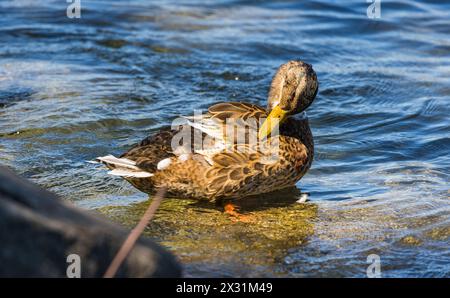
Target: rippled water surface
<point>74,89</point>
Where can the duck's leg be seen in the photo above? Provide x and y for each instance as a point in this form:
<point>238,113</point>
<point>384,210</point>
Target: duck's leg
<point>233,210</point>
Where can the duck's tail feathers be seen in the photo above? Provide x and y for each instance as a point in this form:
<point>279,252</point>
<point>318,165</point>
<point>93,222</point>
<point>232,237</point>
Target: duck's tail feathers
<point>122,167</point>
<point>130,174</point>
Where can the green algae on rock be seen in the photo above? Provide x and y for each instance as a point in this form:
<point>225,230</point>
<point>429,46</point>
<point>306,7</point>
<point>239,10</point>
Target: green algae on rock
<point>201,232</point>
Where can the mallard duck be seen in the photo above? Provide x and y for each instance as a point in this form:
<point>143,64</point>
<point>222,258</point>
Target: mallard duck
<point>223,167</point>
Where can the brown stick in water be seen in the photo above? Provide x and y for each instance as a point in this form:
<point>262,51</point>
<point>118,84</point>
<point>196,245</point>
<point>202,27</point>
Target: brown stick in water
<point>134,234</point>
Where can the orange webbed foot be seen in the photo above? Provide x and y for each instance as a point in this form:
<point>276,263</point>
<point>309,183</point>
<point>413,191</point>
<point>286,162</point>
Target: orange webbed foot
<point>232,210</point>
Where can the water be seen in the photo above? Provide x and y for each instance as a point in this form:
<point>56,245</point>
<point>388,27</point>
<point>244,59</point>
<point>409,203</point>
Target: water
<point>74,89</point>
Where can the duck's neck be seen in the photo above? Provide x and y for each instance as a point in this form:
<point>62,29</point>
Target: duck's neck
<point>297,126</point>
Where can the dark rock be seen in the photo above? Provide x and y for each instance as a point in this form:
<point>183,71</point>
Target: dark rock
<point>38,231</point>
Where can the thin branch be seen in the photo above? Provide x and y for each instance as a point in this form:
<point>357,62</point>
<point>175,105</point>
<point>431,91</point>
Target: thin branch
<point>134,234</point>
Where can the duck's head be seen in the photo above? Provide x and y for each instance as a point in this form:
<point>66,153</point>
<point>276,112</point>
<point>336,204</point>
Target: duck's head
<point>293,89</point>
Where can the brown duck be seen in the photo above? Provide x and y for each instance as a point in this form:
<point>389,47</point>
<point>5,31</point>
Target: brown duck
<point>225,164</point>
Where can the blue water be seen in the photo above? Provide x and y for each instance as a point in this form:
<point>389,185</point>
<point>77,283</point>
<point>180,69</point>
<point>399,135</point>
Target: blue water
<point>74,89</point>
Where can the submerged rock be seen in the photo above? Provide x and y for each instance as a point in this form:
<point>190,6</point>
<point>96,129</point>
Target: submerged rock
<point>205,238</point>
<point>40,235</point>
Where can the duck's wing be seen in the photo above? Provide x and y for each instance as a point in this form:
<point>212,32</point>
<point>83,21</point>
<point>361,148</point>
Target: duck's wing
<point>223,118</point>
<point>236,110</point>
<point>153,152</point>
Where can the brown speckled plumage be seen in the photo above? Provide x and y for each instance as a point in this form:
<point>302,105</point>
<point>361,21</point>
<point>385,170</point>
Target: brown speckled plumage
<point>240,170</point>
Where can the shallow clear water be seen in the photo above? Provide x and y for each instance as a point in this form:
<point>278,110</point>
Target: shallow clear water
<point>74,89</point>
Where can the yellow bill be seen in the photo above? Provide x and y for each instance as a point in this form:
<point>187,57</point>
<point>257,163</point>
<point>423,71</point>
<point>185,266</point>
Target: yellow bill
<point>276,117</point>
